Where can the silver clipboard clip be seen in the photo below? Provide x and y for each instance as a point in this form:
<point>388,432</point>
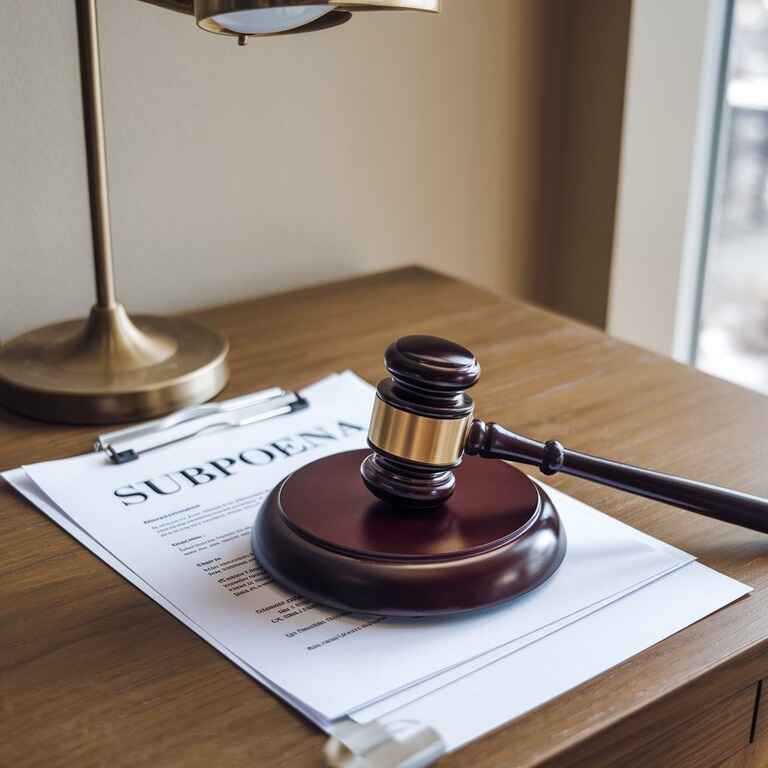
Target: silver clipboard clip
<point>126,445</point>
<point>399,744</point>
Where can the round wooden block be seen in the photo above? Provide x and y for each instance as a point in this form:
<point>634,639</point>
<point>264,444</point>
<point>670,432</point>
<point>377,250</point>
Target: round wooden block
<point>323,534</point>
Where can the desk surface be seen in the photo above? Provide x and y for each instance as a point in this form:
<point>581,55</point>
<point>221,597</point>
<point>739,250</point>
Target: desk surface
<point>93,672</point>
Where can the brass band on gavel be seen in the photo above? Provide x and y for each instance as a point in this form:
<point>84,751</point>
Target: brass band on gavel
<point>420,439</point>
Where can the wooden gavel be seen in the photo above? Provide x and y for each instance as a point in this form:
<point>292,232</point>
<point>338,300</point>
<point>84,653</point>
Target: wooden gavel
<point>422,424</point>
<point>412,538</point>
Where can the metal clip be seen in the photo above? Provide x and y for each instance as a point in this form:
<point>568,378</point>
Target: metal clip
<point>128,444</point>
<point>399,744</point>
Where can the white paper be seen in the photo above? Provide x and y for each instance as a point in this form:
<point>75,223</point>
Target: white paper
<point>382,707</point>
<point>23,484</point>
<point>517,683</point>
<point>326,663</point>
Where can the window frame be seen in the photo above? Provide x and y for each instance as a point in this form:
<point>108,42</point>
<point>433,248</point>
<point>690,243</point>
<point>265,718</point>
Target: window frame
<point>673,114</point>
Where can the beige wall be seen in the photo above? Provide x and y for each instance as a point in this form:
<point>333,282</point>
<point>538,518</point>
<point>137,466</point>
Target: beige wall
<point>397,138</point>
<point>594,55</point>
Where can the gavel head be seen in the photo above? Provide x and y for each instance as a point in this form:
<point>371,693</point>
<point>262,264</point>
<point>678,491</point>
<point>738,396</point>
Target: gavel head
<point>421,416</point>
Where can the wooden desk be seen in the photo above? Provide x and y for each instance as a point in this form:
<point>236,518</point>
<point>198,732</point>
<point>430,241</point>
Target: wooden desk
<point>94,673</point>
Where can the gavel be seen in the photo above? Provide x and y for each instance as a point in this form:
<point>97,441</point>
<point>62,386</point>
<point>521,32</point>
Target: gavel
<point>422,424</point>
<point>433,527</point>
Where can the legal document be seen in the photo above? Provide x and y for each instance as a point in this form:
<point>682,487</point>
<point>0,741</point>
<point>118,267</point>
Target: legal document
<point>510,685</point>
<point>177,524</point>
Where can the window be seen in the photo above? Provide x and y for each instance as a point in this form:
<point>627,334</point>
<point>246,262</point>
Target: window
<point>732,312</point>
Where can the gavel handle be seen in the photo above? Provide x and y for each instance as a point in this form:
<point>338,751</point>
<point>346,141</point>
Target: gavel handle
<point>494,442</point>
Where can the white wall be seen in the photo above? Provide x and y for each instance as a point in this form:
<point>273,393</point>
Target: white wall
<point>397,138</point>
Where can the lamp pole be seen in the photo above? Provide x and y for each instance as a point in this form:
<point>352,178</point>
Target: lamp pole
<point>95,147</point>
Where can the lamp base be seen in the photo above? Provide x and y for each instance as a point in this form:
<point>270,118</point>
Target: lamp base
<point>110,368</point>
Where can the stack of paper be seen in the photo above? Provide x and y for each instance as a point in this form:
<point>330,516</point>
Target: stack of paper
<point>176,523</point>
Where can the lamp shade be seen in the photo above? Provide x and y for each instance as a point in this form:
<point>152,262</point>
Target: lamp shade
<point>273,17</point>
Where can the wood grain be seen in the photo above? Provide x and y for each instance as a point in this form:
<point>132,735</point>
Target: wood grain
<point>92,672</point>
<point>720,732</point>
<point>754,756</point>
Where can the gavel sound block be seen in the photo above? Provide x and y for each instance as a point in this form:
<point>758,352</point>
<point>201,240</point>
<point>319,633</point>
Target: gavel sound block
<point>423,524</point>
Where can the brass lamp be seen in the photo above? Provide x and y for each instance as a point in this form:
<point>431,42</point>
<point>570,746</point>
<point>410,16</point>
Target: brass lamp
<point>111,367</point>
